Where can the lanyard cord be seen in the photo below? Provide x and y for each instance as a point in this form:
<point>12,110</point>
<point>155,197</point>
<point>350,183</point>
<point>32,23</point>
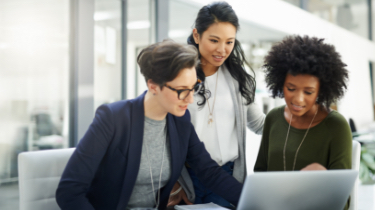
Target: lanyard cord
<point>157,202</point>
<point>286,140</point>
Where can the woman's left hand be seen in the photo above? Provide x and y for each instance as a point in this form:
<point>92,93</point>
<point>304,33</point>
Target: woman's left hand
<point>314,167</point>
<point>181,195</point>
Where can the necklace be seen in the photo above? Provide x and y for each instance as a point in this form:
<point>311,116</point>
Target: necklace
<point>286,140</point>
<point>211,111</point>
<point>157,202</point>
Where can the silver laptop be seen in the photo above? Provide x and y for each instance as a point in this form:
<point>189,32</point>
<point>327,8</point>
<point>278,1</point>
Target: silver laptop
<point>297,190</point>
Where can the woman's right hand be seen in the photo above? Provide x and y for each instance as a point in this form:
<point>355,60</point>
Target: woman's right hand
<point>181,195</point>
<point>314,167</point>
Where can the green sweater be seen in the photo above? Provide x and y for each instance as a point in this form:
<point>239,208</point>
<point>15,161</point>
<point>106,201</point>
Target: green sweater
<point>328,143</point>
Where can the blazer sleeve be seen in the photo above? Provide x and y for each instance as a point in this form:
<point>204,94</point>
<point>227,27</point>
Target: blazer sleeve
<point>255,118</point>
<point>187,184</point>
<point>209,172</point>
<point>84,162</point>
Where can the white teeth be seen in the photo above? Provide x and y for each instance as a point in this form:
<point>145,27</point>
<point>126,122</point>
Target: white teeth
<point>297,106</point>
<point>218,56</point>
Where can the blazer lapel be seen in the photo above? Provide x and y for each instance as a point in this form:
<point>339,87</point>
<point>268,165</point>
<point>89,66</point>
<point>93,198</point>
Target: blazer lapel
<point>174,142</point>
<point>134,151</point>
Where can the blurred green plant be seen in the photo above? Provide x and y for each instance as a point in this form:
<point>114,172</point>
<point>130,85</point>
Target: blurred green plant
<point>367,165</point>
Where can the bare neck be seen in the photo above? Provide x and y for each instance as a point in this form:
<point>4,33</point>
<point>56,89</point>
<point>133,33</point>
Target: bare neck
<point>304,121</point>
<point>153,109</point>
<point>209,69</point>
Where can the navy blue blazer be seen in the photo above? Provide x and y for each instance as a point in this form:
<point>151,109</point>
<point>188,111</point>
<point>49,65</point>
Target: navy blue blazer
<point>103,169</point>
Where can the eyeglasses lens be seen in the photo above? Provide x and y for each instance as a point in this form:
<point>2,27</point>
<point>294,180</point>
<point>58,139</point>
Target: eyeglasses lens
<point>184,94</point>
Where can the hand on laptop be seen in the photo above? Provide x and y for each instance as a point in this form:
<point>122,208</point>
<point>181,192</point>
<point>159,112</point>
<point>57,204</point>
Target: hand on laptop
<point>175,199</point>
<point>314,167</point>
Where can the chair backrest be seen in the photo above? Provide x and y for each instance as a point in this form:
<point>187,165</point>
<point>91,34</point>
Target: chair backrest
<point>39,175</point>
<point>356,154</point>
<point>352,125</point>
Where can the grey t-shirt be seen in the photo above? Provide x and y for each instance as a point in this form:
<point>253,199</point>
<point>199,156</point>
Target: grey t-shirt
<point>154,138</point>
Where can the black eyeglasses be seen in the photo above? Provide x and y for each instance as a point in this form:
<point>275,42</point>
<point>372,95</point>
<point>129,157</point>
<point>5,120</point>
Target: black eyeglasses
<point>184,93</point>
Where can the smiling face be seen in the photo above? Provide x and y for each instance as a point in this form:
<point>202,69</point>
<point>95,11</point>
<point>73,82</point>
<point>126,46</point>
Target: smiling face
<point>216,43</point>
<point>300,93</point>
<point>168,99</point>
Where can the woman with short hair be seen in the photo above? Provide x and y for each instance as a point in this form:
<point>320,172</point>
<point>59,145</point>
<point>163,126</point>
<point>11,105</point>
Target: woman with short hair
<point>134,150</point>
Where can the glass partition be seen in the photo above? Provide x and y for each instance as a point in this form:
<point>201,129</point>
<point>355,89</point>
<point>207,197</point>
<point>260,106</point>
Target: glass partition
<point>181,26</point>
<point>373,19</point>
<point>351,15</point>
<point>140,28</point>
<point>34,72</point>
<point>107,52</point>
<point>294,2</point>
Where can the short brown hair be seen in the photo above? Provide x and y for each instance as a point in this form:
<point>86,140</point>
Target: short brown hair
<point>161,62</point>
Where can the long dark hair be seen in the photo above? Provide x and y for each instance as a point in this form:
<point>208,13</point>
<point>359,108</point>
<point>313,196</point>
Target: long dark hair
<point>223,12</point>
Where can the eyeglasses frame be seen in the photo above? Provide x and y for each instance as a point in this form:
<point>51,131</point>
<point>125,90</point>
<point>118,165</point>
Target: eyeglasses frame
<point>199,82</point>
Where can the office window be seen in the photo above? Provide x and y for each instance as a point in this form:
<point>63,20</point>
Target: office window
<point>34,72</point>
<point>351,15</point>
<point>141,33</point>
<point>181,26</point>
<point>354,17</point>
<point>294,2</point>
<point>373,19</point>
<point>107,52</point>
<point>372,82</point>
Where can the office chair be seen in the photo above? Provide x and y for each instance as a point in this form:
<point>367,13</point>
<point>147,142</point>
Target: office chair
<point>39,175</point>
<point>356,154</point>
<point>353,128</point>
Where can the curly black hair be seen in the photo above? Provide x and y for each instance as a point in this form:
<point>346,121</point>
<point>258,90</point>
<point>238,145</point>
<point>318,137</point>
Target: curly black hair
<point>306,55</point>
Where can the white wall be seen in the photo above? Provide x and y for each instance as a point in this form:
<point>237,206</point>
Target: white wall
<point>356,51</point>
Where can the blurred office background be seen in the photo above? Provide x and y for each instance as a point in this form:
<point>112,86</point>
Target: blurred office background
<point>61,59</point>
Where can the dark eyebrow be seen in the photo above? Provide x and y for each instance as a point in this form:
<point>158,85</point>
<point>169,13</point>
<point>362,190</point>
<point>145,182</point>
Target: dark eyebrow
<point>219,37</point>
<point>309,88</point>
<point>184,87</point>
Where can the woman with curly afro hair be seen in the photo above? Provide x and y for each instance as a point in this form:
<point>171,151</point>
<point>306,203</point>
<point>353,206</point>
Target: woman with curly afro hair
<point>305,134</point>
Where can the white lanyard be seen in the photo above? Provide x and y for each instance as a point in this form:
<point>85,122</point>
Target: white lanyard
<point>161,171</point>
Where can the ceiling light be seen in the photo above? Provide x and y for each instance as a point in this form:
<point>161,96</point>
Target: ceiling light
<point>142,24</point>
